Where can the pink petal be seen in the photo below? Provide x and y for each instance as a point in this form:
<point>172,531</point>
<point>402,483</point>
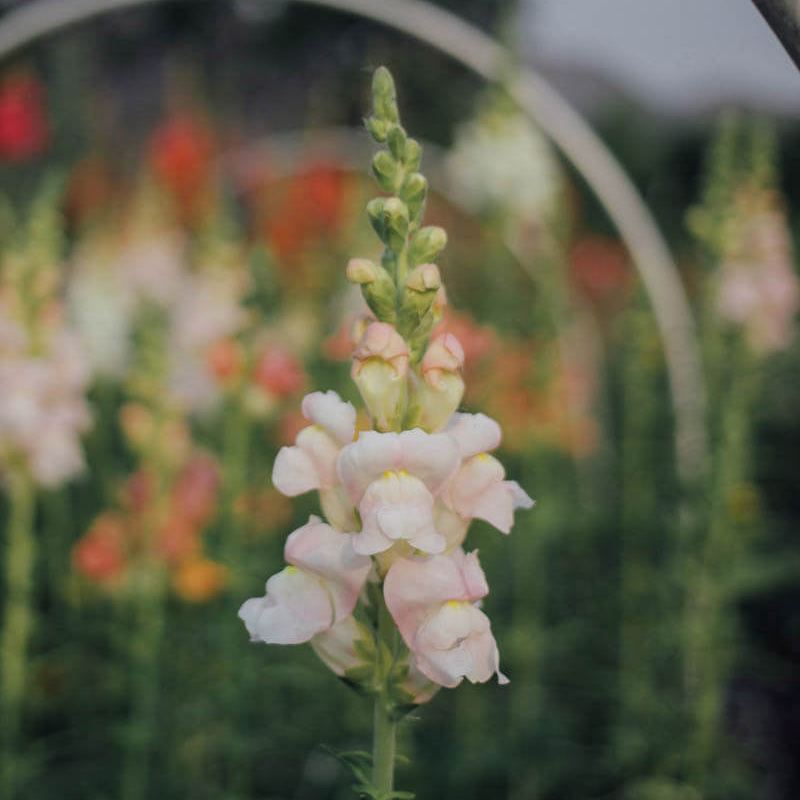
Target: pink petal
<point>323,450</point>
<point>319,549</point>
<point>397,506</point>
<point>477,475</point>
<point>294,472</point>
<point>413,589</point>
<point>474,433</point>
<point>296,607</point>
<point>365,459</point>
<point>432,457</point>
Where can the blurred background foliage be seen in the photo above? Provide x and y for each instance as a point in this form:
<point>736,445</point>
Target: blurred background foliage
<point>173,282</point>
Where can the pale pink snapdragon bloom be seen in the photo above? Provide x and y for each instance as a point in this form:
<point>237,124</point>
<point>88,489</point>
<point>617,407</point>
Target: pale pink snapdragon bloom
<point>380,367</point>
<point>439,392</point>
<point>393,478</point>
<point>319,588</point>
<point>760,289</point>
<point>478,488</point>
<point>311,462</point>
<point>433,603</point>
<point>43,410</point>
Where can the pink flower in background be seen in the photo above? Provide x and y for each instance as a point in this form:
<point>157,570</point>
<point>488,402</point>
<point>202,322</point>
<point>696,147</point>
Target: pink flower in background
<point>759,288</point>
<point>278,372</point>
<point>43,411</point>
<point>319,587</point>
<point>433,604</point>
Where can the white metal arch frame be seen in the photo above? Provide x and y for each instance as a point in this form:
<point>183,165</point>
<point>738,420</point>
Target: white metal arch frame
<point>477,51</point>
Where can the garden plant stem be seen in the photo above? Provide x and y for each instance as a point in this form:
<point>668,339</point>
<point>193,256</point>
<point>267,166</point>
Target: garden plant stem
<point>17,624</point>
<point>384,735</point>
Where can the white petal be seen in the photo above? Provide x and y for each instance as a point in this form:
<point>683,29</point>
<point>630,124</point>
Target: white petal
<point>294,472</point>
<point>365,459</point>
<point>474,433</point>
<point>399,506</point>
<point>323,450</point>
<point>329,410</point>
<point>319,549</point>
<point>432,457</point>
<point>296,607</point>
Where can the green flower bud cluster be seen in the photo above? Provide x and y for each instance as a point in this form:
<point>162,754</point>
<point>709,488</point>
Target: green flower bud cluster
<point>401,289</point>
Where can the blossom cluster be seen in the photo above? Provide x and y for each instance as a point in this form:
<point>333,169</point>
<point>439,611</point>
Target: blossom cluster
<point>43,370</point>
<point>398,499</point>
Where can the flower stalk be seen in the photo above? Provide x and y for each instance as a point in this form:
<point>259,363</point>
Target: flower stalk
<point>17,622</point>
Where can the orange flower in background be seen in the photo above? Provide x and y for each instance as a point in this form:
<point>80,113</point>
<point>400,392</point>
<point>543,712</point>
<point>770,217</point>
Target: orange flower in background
<point>24,131</point>
<point>199,580</point>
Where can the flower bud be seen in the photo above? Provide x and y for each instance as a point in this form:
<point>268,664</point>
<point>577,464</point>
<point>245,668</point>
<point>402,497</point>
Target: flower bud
<point>376,286</point>
<point>397,142</point>
<point>377,127</point>
<point>395,215</point>
<point>380,367</point>
<point>427,243</point>
<point>424,278</point>
<point>420,291</point>
<point>440,391</point>
<point>412,155</point>
<point>384,98</point>
<point>413,193</point>
<point>385,170</point>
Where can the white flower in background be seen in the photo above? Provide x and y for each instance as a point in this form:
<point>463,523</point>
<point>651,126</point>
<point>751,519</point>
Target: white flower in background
<point>100,311</point>
<point>207,308</point>
<point>43,411</point>
<point>502,163</point>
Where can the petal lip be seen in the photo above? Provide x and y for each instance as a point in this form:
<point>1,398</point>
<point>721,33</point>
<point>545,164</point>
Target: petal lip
<point>329,411</point>
<point>474,433</point>
<point>294,472</point>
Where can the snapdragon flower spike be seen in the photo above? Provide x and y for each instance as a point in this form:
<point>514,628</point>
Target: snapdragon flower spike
<point>433,604</point>
<point>478,489</point>
<point>393,479</point>
<point>380,367</point>
<point>311,462</point>
<point>319,588</point>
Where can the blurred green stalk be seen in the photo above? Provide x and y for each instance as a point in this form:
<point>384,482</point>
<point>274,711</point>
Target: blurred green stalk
<point>235,459</point>
<point>17,624</point>
<point>709,628</point>
<point>145,647</point>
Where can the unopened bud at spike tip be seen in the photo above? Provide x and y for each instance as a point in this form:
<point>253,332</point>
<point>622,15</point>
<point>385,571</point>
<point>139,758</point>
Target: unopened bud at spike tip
<point>427,243</point>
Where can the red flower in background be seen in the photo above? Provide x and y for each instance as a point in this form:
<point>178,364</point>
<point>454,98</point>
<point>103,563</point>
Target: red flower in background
<point>312,208</point>
<point>600,269</point>
<point>180,154</point>
<point>101,554</point>
<point>278,372</point>
<point>24,132</point>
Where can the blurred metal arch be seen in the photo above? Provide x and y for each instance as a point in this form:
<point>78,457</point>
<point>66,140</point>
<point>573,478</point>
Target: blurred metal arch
<point>477,51</point>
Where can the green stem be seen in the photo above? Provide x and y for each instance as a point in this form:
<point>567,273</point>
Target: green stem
<point>17,624</point>
<point>384,733</point>
<point>145,650</point>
